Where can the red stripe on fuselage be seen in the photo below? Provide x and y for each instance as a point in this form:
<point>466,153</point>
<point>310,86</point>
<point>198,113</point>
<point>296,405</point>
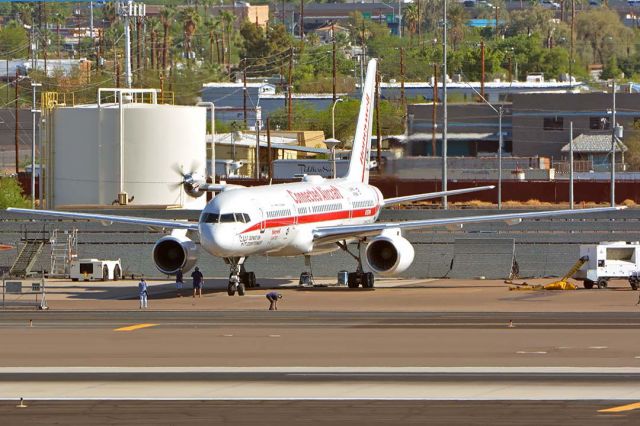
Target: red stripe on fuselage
<point>312,218</point>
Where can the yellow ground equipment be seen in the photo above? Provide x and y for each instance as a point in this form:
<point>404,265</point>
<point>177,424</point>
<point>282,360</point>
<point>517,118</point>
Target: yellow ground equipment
<point>561,284</point>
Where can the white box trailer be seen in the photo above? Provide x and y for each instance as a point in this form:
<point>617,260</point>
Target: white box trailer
<point>614,259</point>
<point>95,269</point>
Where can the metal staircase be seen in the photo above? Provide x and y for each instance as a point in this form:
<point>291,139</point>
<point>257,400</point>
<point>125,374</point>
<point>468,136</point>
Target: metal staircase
<point>64,248</point>
<point>26,258</point>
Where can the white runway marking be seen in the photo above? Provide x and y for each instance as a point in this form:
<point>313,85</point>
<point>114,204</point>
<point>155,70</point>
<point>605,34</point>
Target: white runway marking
<point>531,352</point>
<point>598,347</point>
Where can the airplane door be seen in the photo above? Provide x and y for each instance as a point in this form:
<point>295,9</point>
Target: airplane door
<point>262,221</point>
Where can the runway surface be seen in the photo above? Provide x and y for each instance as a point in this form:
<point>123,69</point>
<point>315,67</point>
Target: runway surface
<point>317,412</point>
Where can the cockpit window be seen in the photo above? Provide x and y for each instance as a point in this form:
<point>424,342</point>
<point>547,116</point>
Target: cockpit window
<point>210,217</point>
<point>225,218</point>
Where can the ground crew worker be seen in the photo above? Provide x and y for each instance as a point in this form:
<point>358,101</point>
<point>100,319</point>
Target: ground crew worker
<point>143,292</point>
<point>198,280</point>
<point>273,297</point>
<point>179,282</point>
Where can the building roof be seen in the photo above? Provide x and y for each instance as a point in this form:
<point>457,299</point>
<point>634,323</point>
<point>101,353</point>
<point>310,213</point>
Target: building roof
<point>594,143</point>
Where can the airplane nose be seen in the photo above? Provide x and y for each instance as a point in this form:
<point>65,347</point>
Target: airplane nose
<point>216,240</point>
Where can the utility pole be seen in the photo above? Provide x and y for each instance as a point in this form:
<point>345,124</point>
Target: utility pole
<point>333,36</point>
<point>482,68</point>
<point>402,95</point>
<point>301,20</point>
<point>434,112</point>
<point>129,10</point>
<point>34,111</point>
<point>613,144</point>
<point>403,99</point>
<point>290,88</point>
<point>138,52</point>
<point>571,198</point>
<point>17,137</point>
<point>257,149</point>
<point>510,74</point>
<point>378,132</point>
<point>269,156</point>
<point>573,25</point>
<point>117,74</point>
<point>244,92</point>
<point>445,204</point>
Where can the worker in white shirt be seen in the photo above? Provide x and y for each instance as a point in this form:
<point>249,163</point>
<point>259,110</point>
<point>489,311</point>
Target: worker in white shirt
<point>143,292</point>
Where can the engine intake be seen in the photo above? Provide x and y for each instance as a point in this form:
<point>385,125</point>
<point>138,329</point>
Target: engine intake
<point>389,253</point>
<point>174,252</point>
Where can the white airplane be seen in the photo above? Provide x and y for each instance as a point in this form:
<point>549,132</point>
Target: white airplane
<point>305,218</point>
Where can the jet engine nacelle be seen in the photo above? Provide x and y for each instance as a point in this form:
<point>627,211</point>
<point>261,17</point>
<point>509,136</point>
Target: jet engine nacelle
<point>389,253</point>
<point>175,252</point>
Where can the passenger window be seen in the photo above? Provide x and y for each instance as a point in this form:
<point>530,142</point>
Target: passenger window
<point>227,218</point>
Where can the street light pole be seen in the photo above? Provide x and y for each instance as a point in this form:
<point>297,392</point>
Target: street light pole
<point>500,112</point>
<point>333,142</point>
<point>445,204</point>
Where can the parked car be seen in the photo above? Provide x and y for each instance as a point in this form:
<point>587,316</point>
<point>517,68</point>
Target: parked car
<point>549,4</point>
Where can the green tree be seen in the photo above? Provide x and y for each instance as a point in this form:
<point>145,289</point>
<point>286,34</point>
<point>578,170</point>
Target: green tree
<point>610,70</point>
<point>11,194</point>
<point>14,41</point>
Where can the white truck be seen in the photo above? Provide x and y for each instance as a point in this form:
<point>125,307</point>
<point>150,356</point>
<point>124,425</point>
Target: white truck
<point>614,259</point>
<point>95,269</point>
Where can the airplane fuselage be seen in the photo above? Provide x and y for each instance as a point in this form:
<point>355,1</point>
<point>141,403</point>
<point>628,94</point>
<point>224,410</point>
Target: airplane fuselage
<point>279,220</point>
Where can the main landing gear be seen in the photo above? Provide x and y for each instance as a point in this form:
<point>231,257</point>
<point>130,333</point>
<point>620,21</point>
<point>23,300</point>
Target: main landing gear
<point>358,278</point>
<point>239,278</point>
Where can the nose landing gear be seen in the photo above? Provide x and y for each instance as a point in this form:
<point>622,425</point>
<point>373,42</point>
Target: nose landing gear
<point>239,278</point>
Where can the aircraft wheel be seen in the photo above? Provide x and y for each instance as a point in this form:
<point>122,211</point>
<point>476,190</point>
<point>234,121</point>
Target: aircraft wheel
<point>117,273</point>
<point>105,273</point>
<point>352,280</point>
<point>251,279</point>
<point>241,289</point>
<point>368,280</point>
<point>602,283</point>
<point>634,283</point>
<point>587,284</point>
<point>231,289</point>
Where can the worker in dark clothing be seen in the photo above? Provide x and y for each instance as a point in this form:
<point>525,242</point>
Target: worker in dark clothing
<point>198,280</point>
<point>179,282</point>
<point>273,298</point>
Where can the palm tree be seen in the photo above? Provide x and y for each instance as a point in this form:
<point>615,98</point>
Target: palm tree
<point>152,25</point>
<point>190,20</point>
<point>411,18</point>
<point>213,27</point>
<point>457,19</point>
<point>109,13</point>
<point>166,17</point>
<point>227,20</point>
<point>58,19</point>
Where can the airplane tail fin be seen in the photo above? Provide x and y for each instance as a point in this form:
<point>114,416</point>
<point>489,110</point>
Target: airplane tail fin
<point>359,163</point>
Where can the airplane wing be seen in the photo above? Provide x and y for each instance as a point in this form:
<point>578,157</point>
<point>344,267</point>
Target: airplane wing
<point>337,233</point>
<point>429,195</point>
<point>159,223</point>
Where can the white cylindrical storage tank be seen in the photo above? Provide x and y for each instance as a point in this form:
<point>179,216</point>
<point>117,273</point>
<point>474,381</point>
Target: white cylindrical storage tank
<point>88,146</point>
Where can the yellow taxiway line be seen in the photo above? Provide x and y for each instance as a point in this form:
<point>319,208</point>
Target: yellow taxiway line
<point>134,327</point>
<point>621,408</point>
